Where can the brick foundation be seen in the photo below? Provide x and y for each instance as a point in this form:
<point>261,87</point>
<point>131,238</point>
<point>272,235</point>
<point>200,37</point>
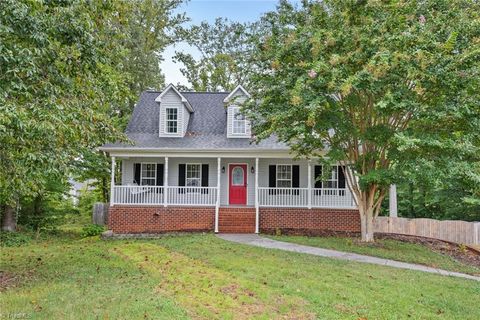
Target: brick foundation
<point>151,219</point>
<point>309,221</point>
<point>236,220</point>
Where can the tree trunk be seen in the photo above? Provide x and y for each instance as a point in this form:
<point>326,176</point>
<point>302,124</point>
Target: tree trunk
<point>105,194</point>
<point>366,218</point>
<point>8,221</point>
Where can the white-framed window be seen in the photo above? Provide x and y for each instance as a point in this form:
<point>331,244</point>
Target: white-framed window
<point>239,123</point>
<point>332,181</point>
<point>284,175</point>
<point>148,174</point>
<point>171,125</point>
<point>193,176</point>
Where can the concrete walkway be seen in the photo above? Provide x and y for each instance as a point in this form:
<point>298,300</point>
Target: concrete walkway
<point>256,240</point>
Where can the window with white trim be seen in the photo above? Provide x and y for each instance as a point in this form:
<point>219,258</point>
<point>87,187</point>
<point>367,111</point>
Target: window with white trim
<point>239,123</point>
<point>193,177</point>
<point>284,176</point>
<point>171,125</point>
<point>332,181</point>
<point>148,176</point>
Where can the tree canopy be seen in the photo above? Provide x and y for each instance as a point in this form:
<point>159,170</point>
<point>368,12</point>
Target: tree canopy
<point>370,84</point>
<point>69,71</point>
<point>223,49</point>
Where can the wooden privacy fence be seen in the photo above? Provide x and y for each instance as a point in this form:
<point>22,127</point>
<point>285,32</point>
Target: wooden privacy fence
<point>100,213</point>
<point>449,230</point>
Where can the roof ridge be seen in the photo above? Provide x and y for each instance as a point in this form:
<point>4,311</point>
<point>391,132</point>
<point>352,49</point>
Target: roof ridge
<point>209,92</point>
<point>205,92</point>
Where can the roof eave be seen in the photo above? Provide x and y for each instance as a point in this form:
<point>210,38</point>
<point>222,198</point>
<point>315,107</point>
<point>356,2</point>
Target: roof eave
<point>182,97</point>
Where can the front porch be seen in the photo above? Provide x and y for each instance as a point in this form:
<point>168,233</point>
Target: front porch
<point>219,182</point>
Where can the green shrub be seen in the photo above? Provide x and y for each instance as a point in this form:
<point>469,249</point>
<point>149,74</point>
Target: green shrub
<point>91,230</point>
<point>14,239</point>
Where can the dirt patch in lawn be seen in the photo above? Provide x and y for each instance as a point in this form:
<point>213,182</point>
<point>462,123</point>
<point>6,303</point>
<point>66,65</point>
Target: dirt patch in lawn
<point>207,292</point>
<point>461,253</point>
<point>8,280</point>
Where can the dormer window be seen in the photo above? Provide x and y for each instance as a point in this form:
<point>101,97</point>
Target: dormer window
<point>239,124</point>
<point>172,120</point>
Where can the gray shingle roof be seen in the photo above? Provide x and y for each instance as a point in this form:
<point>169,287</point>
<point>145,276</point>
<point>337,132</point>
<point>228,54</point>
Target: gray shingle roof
<point>206,130</point>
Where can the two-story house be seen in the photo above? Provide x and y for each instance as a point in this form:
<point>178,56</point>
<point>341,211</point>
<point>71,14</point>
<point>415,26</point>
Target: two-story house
<point>193,167</point>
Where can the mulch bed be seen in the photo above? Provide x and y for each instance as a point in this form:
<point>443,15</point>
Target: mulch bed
<point>461,253</point>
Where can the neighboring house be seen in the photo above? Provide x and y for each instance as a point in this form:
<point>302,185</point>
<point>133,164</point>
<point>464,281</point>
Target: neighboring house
<point>77,187</point>
<point>193,167</point>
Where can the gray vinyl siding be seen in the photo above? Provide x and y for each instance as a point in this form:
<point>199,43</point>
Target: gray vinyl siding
<point>127,167</point>
<point>265,163</point>
<point>237,100</point>
<point>173,169</point>
<point>172,100</point>
<point>127,172</point>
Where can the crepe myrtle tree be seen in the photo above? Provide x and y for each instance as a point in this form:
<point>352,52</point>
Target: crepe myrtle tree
<point>367,82</point>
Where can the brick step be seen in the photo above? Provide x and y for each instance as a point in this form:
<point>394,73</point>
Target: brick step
<point>250,222</point>
<point>236,230</point>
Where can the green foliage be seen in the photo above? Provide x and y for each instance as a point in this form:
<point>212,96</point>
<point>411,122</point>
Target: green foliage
<point>224,49</point>
<point>86,201</point>
<point>58,80</point>
<point>48,209</point>
<point>372,83</point>
<point>69,73</point>
<point>92,230</point>
<point>450,192</point>
<point>14,239</point>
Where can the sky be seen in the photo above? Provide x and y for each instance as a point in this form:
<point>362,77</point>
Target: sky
<point>209,10</point>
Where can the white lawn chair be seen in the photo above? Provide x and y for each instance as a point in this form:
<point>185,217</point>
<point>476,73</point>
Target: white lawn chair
<point>135,189</point>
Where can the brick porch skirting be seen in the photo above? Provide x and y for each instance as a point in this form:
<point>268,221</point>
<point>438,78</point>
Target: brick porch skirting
<point>156,219</point>
<point>309,221</point>
<point>124,219</point>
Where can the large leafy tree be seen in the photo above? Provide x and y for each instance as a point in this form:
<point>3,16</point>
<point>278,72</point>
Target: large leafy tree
<point>150,27</point>
<point>367,83</point>
<point>67,78</point>
<point>222,58</point>
<point>136,38</point>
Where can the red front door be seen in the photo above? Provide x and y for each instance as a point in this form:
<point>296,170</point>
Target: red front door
<point>238,184</point>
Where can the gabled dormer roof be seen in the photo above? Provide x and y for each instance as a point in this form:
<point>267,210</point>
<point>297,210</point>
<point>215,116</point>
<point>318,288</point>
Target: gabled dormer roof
<point>207,128</point>
<point>172,87</point>
<point>234,92</point>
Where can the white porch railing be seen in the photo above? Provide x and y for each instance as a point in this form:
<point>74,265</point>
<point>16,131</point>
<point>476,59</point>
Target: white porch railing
<point>154,195</point>
<point>283,197</point>
<point>192,196</point>
<point>332,198</point>
<point>298,197</point>
<point>138,195</point>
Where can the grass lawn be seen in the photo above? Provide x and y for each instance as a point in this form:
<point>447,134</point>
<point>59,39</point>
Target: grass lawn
<point>386,248</point>
<point>203,277</point>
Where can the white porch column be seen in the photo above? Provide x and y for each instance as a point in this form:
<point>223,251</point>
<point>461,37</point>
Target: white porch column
<point>257,208</point>
<point>309,184</point>
<point>393,201</point>
<point>165,183</point>
<point>112,183</point>
<point>217,206</point>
